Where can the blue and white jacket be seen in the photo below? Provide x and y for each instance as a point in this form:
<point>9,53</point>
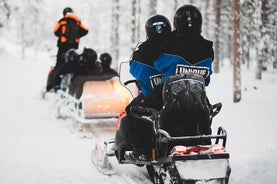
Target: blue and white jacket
<point>189,53</point>
<point>142,67</point>
<point>153,62</point>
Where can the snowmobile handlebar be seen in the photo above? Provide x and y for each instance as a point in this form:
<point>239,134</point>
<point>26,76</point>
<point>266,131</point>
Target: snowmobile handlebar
<point>165,137</point>
<point>144,113</point>
<point>132,81</point>
<point>215,109</point>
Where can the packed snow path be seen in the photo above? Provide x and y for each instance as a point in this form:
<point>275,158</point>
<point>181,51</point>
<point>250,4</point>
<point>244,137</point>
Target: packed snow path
<point>35,147</point>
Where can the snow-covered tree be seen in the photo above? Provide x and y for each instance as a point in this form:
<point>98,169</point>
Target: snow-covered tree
<point>152,7</point>
<point>114,29</point>
<point>4,13</point>
<point>117,26</point>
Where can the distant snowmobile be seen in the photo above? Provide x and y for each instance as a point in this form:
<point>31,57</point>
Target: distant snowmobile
<point>189,158</point>
<point>90,99</point>
<point>95,98</point>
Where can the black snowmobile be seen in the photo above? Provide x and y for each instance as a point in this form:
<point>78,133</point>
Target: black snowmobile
<point>183,148</point>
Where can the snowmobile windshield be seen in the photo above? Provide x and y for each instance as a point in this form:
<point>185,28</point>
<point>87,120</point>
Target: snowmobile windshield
<point>127,79</point>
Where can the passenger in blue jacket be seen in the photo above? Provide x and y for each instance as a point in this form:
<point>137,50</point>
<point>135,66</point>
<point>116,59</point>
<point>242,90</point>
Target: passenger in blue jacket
<point>158,31</point>
<point>188,51</point>
<point>133,134</point>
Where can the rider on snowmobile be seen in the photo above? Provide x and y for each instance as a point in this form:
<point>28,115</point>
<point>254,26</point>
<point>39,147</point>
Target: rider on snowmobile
<point>182,50</point>
<point>188,52</point>
<point>129,136</point>
<point>106,61</point>
<point>69,30</point>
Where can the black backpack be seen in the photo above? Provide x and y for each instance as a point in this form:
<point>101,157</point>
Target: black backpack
<point>72,30</point>
<point>185,110</point>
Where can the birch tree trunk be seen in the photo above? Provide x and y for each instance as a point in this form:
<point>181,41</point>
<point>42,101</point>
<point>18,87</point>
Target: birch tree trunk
<point>175,5</point>
<point>217,36</point>
<point>133,23</point>
<point>152,7</point>
<point>236,52</point>
<point>114,30</point>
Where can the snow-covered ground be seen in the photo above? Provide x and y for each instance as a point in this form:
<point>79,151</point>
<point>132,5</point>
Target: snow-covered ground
<point>35,147</point>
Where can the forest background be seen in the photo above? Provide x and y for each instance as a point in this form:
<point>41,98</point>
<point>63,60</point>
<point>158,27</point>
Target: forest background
<point>243,31</point>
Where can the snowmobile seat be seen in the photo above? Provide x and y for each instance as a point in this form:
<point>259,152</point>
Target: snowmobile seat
<point>76,86</point>
<point>185,112</point>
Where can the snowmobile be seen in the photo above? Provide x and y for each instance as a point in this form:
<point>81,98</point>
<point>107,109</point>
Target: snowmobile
<point>183,154</point>
<point>92,99</point>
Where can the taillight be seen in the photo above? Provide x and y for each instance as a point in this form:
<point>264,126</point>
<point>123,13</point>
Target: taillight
<point>120,117</point>
<point>183,150</point>
<point>217,149</point>
<point>198,149</point>
<point>180,150</point>
<point>51,71</point>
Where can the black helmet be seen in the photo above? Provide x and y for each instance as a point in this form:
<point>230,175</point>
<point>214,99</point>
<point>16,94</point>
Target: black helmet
<point>66,10</point>
<point>89,55</point>
<point>106,60</point>
<point>157,26</point>
<point>188,18</point>
<point>71,56</point>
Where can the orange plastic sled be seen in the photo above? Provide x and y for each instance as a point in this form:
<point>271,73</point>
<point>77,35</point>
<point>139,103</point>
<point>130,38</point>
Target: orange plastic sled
<point>105,98</point>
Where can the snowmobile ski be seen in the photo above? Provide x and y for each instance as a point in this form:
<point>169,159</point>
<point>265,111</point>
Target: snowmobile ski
<point>100,159</point>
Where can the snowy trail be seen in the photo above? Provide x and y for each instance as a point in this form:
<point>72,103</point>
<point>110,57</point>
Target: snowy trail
<point>250,124</point>
<point>35,146</point>
<point>126,173</point>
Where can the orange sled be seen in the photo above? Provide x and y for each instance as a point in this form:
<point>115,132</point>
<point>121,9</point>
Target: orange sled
<point>94,99</point>
<point>104,99</point>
